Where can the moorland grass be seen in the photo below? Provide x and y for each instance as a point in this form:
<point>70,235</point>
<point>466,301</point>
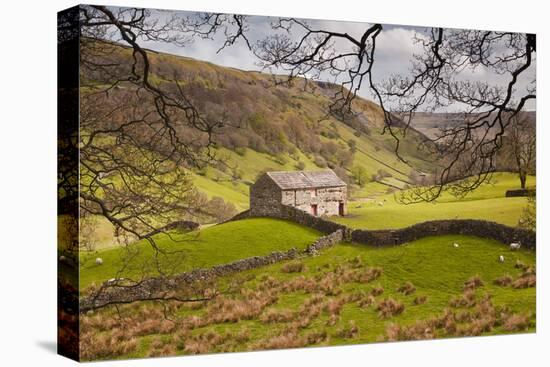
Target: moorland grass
<point>330,302</point>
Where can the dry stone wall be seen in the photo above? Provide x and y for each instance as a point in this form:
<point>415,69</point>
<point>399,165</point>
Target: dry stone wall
<point>388,237</point>
<point>158,288</point>
<point>470,227</point>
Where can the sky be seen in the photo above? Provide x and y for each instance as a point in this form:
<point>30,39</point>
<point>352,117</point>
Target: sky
<point>394,53</point>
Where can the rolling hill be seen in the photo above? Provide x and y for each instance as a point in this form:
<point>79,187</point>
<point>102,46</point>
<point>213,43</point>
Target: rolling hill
<point>274,127</point>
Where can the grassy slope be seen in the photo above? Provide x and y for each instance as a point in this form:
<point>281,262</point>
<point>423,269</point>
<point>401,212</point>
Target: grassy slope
<point>438,277</point>
<point>487,202</point>
<point>282,102</point>
<point>214,245</point>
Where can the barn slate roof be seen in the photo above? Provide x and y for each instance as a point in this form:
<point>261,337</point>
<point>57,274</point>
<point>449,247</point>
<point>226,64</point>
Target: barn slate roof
<point>288,180</point>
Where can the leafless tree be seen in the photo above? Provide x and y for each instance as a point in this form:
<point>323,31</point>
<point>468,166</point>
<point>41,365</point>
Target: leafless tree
<point>522,139</point>
<point>130,159</point>
<point>465,153</point>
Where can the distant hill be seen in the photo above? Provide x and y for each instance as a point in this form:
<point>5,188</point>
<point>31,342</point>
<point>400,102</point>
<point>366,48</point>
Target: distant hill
<point>280,127</point>
<point>430,123</point>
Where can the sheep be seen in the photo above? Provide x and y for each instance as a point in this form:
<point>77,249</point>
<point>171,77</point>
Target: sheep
<point>456,245</point>
<point>99,261</point>
<point>501,258</point>
<point>515,246</point>
<point>62,259</point>
<point>380,204</point>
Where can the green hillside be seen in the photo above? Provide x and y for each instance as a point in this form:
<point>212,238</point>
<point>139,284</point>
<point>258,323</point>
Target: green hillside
<point>215,245</point>
<point>488,202</point>
<point>273,127</point>
<point>336,298</point>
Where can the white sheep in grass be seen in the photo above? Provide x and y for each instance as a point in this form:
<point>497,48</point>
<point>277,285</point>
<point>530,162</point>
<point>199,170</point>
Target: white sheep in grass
<point>456,245</point>
<point>501,258</point>
<point>380,204</point>
<point>99,261</point>
<point>515,246</point>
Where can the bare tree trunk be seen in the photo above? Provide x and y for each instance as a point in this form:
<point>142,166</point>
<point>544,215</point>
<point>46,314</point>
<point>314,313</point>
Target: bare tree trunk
<point>523,179</point>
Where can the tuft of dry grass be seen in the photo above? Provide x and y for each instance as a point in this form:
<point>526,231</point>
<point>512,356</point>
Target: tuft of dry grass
<point>407,288</point>
<point>273,316</point>
<point>467,299</point>
<point>525,281</point>
<point>418,331</point>
<point>376,291</point>
<point>420,300</point>
<point>473,283</point>
<point>315,337</point>
<point>355,262</point>
<point>334,306</point>
<point>372,274</point>
<point>332,320</point>
<point>289,338</point>
<point>366,301</point>
<point>106,345</point>
<point>516,322</point>
<point>503,281</point>
<point>293,267</point>
<point>348,332</point>
<point>520,265</point>
<point>389,307</point>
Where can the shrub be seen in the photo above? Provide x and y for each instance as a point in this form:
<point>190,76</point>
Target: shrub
<point>528,218</point>
<point>320,161</point>
<point>382,173</point>
<point>240,151</point>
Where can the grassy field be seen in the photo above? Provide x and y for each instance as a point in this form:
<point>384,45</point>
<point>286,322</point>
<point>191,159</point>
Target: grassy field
<point>214,245</point>
<point>487,202</point>
<point>349,294</point>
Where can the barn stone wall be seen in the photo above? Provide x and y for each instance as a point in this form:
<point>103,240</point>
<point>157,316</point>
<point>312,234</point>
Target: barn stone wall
<point>327,199</point>
<point>265,197</point>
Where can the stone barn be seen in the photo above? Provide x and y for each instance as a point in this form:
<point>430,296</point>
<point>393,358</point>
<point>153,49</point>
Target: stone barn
<point>315,192</point>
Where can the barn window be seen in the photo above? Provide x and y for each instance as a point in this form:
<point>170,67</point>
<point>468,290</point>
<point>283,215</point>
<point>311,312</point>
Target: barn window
<point>313,193</point>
